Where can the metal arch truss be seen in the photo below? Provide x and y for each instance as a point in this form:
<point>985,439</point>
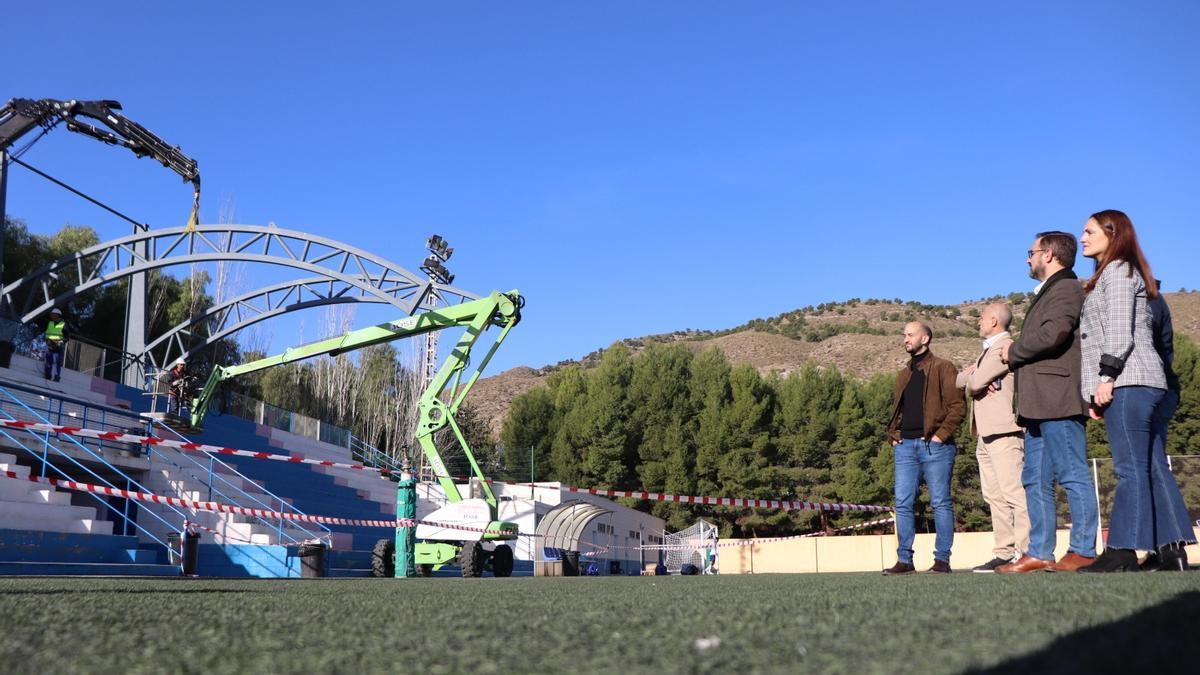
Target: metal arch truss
<point>348,274</point>
<point>199,332</point>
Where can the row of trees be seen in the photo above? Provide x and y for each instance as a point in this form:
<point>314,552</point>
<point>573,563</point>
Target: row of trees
<point>667,420</point>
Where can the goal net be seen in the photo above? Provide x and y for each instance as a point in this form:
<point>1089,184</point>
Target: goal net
<point>696,545</point>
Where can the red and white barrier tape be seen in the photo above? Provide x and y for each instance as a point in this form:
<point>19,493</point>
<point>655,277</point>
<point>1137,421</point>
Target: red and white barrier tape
<point>601,492</point>
<point>856,526</point>
<point>242,510</point>
<point>119,437</point>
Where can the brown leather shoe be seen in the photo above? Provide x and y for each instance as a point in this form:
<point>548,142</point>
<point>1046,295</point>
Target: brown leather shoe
<point>939,567</point>
<point>1024,564</point>
<point>899,569</point>
<point>1071,562</point>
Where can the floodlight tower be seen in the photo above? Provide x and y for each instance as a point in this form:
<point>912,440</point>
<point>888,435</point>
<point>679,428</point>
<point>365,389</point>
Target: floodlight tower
<point>435,267</point>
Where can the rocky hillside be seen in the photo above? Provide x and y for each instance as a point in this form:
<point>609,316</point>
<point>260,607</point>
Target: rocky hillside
<point>860,337</point>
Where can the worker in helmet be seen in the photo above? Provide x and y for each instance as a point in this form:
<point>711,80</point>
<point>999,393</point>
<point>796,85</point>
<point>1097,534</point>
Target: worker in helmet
<point>178,378</point>
<point>56,335</point>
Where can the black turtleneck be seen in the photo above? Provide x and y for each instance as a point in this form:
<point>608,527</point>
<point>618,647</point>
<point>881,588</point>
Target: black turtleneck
<point>912,402</point>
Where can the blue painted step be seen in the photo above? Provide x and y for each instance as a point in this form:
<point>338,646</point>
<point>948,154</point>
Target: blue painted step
<point>37,546</point>
<point>273,562</point>
<point>32,552</point>
<point>86,569</point>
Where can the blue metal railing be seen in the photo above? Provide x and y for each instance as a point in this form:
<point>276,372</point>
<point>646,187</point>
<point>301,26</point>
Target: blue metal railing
<point>43,439</point>
<point>368,455</point>
<point>98,416</point>
<point>280,505</point>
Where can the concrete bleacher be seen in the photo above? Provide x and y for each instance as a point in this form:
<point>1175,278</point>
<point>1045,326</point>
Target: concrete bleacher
<point>240,546</point>
<point>315,490</point>
<point>23,501</point>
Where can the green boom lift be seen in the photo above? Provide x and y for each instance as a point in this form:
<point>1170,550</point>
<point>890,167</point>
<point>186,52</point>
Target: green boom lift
<point>438,406</point>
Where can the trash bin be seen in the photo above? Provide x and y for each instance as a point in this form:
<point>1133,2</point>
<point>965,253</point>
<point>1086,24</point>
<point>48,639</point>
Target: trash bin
<point>570,563</point>
<point>186,555</point>
<point>614,567</point>
<point>312,561</point>
<point>6,352</point>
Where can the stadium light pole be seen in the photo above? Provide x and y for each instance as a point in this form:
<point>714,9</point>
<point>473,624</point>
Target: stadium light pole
<point>435,266</point>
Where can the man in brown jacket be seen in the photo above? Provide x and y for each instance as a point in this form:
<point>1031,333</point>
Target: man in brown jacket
<point>1046,361</point>
<point>1000,448</point>
<point>926,411</point>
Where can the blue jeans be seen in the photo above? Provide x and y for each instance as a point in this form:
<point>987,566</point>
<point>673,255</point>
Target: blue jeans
<point>53,365</point>
<point>915,457</point>
<point>1056,450</point>
<point>1148,511</point>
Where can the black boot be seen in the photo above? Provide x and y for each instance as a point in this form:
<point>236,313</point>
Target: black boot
<point>1113,560</point>
<point>1172,558</point>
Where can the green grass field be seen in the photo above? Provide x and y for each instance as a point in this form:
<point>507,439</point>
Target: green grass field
<point>849,623</point>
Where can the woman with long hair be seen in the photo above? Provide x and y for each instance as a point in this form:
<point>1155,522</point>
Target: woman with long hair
<point>1124,380</point>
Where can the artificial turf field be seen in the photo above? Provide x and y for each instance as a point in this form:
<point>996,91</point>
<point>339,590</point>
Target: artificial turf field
<point>831,623</point>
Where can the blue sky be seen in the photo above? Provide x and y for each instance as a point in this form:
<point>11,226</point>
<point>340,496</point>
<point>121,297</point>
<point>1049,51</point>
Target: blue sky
<point>636,168</point>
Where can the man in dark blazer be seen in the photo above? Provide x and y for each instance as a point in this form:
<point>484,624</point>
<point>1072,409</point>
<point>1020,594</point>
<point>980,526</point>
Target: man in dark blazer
<point>1046,360</point>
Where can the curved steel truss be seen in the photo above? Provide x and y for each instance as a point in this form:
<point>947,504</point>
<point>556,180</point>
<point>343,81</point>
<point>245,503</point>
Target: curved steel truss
<point>345,274</point>
<point>197,333</point>
<point>107,262</point>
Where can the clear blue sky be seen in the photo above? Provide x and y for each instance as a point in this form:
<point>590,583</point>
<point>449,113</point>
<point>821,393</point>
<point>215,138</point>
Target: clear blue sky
<point>640,167</point>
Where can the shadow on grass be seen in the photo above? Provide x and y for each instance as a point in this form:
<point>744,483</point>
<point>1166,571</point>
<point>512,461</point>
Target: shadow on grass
<point>1158,639</point>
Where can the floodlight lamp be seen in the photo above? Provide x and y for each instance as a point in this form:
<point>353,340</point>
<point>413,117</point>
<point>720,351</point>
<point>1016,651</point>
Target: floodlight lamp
<point>439,247</point>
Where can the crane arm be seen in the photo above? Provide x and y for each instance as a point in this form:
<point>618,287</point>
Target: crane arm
<point>21,115</point>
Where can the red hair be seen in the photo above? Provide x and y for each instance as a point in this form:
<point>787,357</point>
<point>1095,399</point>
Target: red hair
<point>1122,246</point>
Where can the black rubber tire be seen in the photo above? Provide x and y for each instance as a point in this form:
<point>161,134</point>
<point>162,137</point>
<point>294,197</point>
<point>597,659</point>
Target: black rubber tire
<point>502,561</point>
<point>471,559</point>
<point>383,558</point>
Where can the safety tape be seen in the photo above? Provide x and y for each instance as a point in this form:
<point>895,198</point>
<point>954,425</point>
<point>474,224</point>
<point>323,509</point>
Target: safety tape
<point>191,527</point>
<point>856,526</point>
<point>119,437</point>
<point>242,510</point>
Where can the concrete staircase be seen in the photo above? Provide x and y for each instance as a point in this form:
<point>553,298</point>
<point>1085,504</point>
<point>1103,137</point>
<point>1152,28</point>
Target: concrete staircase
<point>26,505</point>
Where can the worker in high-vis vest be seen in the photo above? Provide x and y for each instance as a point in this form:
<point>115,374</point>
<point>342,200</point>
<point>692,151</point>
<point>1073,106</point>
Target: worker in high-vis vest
<point>56,342</point>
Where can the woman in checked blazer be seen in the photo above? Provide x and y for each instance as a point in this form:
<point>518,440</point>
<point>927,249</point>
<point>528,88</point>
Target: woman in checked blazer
<point>1124,382</point>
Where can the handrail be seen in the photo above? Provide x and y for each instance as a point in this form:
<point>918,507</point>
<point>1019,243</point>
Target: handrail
<point>11,384</point>
<point>137,420</point>
<point>28,347</point>
<point>368,455</point>
<point>284,506</point>
<point>45,441</point>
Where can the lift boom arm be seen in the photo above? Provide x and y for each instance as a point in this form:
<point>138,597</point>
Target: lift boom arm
<point>445,394</point>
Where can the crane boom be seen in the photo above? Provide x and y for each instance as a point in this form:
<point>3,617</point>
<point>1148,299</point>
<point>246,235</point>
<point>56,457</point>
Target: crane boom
<point>21,115</point>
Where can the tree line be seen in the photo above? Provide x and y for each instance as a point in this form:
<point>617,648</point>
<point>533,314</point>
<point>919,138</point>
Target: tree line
<point>668,420</point>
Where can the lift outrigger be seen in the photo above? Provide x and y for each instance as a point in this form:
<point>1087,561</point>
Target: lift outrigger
<point>437,408</point>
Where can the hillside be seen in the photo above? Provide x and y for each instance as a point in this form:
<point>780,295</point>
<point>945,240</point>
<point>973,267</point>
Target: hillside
<point>860,337</point>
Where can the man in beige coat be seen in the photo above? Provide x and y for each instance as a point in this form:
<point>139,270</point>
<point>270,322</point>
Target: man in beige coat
<point>1000,448</point>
